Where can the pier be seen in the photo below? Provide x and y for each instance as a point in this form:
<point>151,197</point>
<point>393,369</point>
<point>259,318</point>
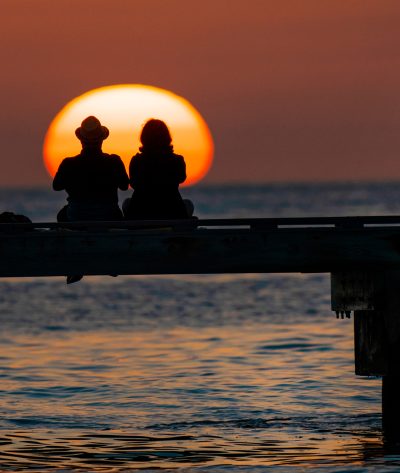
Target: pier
<point>362,255</point>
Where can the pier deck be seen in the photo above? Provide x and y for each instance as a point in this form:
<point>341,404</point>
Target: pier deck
<point>201,246</point>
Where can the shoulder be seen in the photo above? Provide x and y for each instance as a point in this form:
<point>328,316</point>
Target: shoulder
<point>178,158</point>
<point>66,162</point>
<point>137,158</point>
<point>113,158</point>
<point>71,159</point>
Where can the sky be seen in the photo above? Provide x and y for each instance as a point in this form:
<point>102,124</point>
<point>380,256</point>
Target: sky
<point>292,90</point>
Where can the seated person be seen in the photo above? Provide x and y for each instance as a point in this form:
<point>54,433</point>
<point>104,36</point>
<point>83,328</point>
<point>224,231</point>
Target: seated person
<point>92,178</point>
<point>154,175</point>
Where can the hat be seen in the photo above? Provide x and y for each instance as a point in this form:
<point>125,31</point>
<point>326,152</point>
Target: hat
<point>91,130</point>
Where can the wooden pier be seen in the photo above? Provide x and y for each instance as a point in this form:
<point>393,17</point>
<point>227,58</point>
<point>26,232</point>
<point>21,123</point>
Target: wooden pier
<point>362,254</point>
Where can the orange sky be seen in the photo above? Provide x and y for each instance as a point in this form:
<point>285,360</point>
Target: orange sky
<point>291,90</point>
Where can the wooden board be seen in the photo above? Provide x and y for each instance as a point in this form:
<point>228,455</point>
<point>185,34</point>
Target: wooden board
<point>97,249</point>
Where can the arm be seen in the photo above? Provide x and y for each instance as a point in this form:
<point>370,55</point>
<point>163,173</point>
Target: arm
<point>121,175</point>
<point>180,169</point>
<point>59,181</point>
<point>134,166</point>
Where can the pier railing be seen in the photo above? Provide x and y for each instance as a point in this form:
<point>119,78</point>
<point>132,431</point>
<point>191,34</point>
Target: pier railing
<point>341,222</point>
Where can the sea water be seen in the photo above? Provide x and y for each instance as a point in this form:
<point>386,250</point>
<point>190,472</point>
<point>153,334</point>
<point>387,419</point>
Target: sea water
<point>248,372</point>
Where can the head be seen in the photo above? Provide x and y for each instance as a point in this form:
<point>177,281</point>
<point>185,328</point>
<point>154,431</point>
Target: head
<point>91,133</point>
<point>156,136</point>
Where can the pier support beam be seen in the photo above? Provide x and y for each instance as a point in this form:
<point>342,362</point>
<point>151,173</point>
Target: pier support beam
<point>391,408</point>
<point>375,299</point>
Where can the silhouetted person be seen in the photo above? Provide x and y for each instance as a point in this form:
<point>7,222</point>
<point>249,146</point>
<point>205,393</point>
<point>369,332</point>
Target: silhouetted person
<point>92,178</point>
<point>154,175</point>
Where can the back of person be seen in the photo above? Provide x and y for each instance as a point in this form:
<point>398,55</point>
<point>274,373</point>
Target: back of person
<point>154,175</point>
<point>92,178</point>
<point>155,179</point>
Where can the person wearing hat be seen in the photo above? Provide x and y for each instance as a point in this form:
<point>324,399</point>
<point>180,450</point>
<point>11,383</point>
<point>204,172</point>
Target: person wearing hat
<point>92,178</point>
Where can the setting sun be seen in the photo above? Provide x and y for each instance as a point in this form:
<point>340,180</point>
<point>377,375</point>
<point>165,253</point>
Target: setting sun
<point>124,109</point>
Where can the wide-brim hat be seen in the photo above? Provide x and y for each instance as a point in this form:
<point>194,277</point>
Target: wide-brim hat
<point>92,130</point>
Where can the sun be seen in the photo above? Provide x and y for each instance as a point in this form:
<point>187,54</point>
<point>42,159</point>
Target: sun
<point>124,109</point>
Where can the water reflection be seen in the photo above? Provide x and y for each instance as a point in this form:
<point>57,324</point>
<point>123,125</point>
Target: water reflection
<point>254,394</point>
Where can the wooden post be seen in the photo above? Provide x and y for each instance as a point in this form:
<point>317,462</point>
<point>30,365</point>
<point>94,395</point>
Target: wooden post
<point>390,303</point>
<point>375,299</point>
<point>369,343</point>
<point>391,408</point>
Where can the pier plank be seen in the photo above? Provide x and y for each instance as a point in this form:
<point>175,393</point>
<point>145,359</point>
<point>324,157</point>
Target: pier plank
<point>100,248</point>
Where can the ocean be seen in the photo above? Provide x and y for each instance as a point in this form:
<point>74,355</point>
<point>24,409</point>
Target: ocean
<point>241,373</point>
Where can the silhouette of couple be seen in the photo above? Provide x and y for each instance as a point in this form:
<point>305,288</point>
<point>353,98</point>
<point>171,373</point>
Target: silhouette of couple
<point>92,178</point>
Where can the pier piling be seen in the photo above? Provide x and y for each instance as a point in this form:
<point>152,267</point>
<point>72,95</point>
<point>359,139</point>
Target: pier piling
<point>375,299</point>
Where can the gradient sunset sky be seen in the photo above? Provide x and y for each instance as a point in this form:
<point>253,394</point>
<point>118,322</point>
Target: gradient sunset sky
<point>299,90</point>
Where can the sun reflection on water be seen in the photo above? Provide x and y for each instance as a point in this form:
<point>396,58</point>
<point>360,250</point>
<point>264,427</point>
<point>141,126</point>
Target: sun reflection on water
<point>252,394</point>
